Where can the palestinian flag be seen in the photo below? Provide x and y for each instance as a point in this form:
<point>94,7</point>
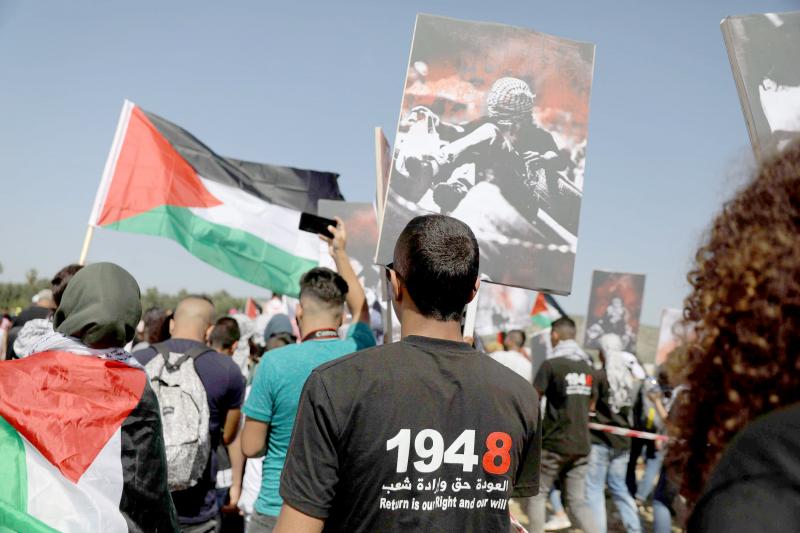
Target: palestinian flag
<point>80,447</point>
<point>238,216</point>
<point>544,312</point>
<point>251,308</point>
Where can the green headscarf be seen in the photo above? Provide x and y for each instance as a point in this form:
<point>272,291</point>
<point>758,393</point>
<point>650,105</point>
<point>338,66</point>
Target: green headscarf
<point>101,307</point>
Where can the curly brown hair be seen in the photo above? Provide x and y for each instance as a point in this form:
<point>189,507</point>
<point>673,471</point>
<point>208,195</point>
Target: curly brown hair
<point>744,359</point>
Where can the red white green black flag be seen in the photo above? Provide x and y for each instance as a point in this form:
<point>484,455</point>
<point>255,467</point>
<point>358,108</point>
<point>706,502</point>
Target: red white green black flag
<point>75,431</point>
<point>238,216</point>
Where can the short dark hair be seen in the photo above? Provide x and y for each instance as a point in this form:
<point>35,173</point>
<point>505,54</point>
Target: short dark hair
<point>225,333</point>
<point>59,282</point>
<point>323,285</point>
<point>516,336</point>
<point>279,340</point>
<point>154,330</point>
<point>565,327</point>
<point>437,258</point>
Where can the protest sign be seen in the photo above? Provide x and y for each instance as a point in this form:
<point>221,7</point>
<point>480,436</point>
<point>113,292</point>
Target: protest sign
<point>541,348</point>
<point>672,333</point>
<point>667,339</point>
<point>362,237</point>
<point>763,53</point>
<point>615,305</point>
<point>501,309</point>
<point>492,131</point>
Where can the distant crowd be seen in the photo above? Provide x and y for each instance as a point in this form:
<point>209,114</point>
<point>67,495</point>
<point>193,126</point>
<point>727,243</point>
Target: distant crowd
<point>301,421</point>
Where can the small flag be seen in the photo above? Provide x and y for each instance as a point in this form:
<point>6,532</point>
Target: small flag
<point>79,447</point>
<point>251,309</point>
<point>238,216</point>
<point>543,314</point>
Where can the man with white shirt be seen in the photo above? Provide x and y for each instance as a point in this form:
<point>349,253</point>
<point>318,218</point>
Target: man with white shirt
<point>514,356</point>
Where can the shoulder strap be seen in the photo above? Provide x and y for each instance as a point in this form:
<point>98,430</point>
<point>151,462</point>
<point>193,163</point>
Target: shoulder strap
<point>193,353</point>
<point>161,347</point>
<point>197,351</point>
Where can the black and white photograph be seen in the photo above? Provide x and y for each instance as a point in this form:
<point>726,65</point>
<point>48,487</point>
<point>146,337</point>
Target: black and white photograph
<point>492,131</point>
<point>763,53</point>
<point>502,308</point>
<point>615,306</point>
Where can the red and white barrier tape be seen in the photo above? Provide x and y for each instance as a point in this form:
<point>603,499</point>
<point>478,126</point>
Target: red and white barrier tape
<point>624,432</point>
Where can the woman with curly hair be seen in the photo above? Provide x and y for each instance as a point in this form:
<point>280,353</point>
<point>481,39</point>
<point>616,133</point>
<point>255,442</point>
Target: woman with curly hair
<point>739,427</point>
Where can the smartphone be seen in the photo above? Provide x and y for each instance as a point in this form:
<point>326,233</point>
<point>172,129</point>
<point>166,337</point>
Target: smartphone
<point>316,224</point>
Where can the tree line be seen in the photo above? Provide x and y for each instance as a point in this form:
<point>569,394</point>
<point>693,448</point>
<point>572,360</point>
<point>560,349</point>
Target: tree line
<point>15,296</point>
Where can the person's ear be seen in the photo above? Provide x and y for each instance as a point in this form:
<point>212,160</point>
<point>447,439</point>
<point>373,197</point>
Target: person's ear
<point>171,326</point>
<point>475,290</point>
<point>208,332</point>
<point>298,312</point>
<point>397,287</point>
<point>234,346</point>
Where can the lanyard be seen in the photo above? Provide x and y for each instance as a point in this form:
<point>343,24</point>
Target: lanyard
<point>321,335</point>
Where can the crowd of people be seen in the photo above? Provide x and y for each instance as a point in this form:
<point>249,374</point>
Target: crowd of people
<point>308,424</point>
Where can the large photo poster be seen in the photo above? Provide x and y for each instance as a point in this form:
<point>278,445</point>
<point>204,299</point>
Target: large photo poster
<point>362,238</point>
<point>615,306</point>
<point>670,333</point>
<point>492,130</point>
<point>763,53</point>
<point>501,309</point>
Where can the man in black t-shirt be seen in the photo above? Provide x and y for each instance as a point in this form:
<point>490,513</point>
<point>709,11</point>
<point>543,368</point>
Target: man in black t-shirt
<point>565,380</point>
<point>423,434</point>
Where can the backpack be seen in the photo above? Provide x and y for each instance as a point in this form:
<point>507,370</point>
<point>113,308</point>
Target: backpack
<point>184,413</point>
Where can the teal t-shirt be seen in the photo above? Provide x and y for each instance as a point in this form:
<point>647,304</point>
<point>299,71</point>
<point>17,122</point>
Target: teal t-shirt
<point>275,394</point>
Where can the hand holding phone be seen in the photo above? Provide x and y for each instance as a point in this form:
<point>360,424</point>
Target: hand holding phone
<point>316,224</point>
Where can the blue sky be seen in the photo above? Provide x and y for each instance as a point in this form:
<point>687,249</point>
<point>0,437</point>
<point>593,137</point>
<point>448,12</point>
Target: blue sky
<point>305,83</point>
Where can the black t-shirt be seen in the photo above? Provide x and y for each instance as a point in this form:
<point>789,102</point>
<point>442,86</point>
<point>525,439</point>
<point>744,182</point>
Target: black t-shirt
<point>567,385</point>
<point>755,488</point>
<point>621,417</point>
<point>422,434</point>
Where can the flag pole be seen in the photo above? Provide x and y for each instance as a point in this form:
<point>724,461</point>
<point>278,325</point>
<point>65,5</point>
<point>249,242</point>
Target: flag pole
<point>380,199</point>
<point>388,330</point>
<point>108,173</point>
<point>379,166</point>
<point>87,240</point>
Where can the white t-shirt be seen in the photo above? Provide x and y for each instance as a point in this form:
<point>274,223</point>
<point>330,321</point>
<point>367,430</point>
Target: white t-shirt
<point>517,362</point>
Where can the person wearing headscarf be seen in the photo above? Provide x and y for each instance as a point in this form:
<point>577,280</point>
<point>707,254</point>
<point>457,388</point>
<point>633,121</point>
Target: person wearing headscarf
<point>82,411</point>
<point>614,393</point>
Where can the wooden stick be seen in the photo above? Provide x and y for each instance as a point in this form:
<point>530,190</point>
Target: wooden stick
<point>380,194</point>
<point>86,241</point>
<point>388,330</point>
<point>381,148</point>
